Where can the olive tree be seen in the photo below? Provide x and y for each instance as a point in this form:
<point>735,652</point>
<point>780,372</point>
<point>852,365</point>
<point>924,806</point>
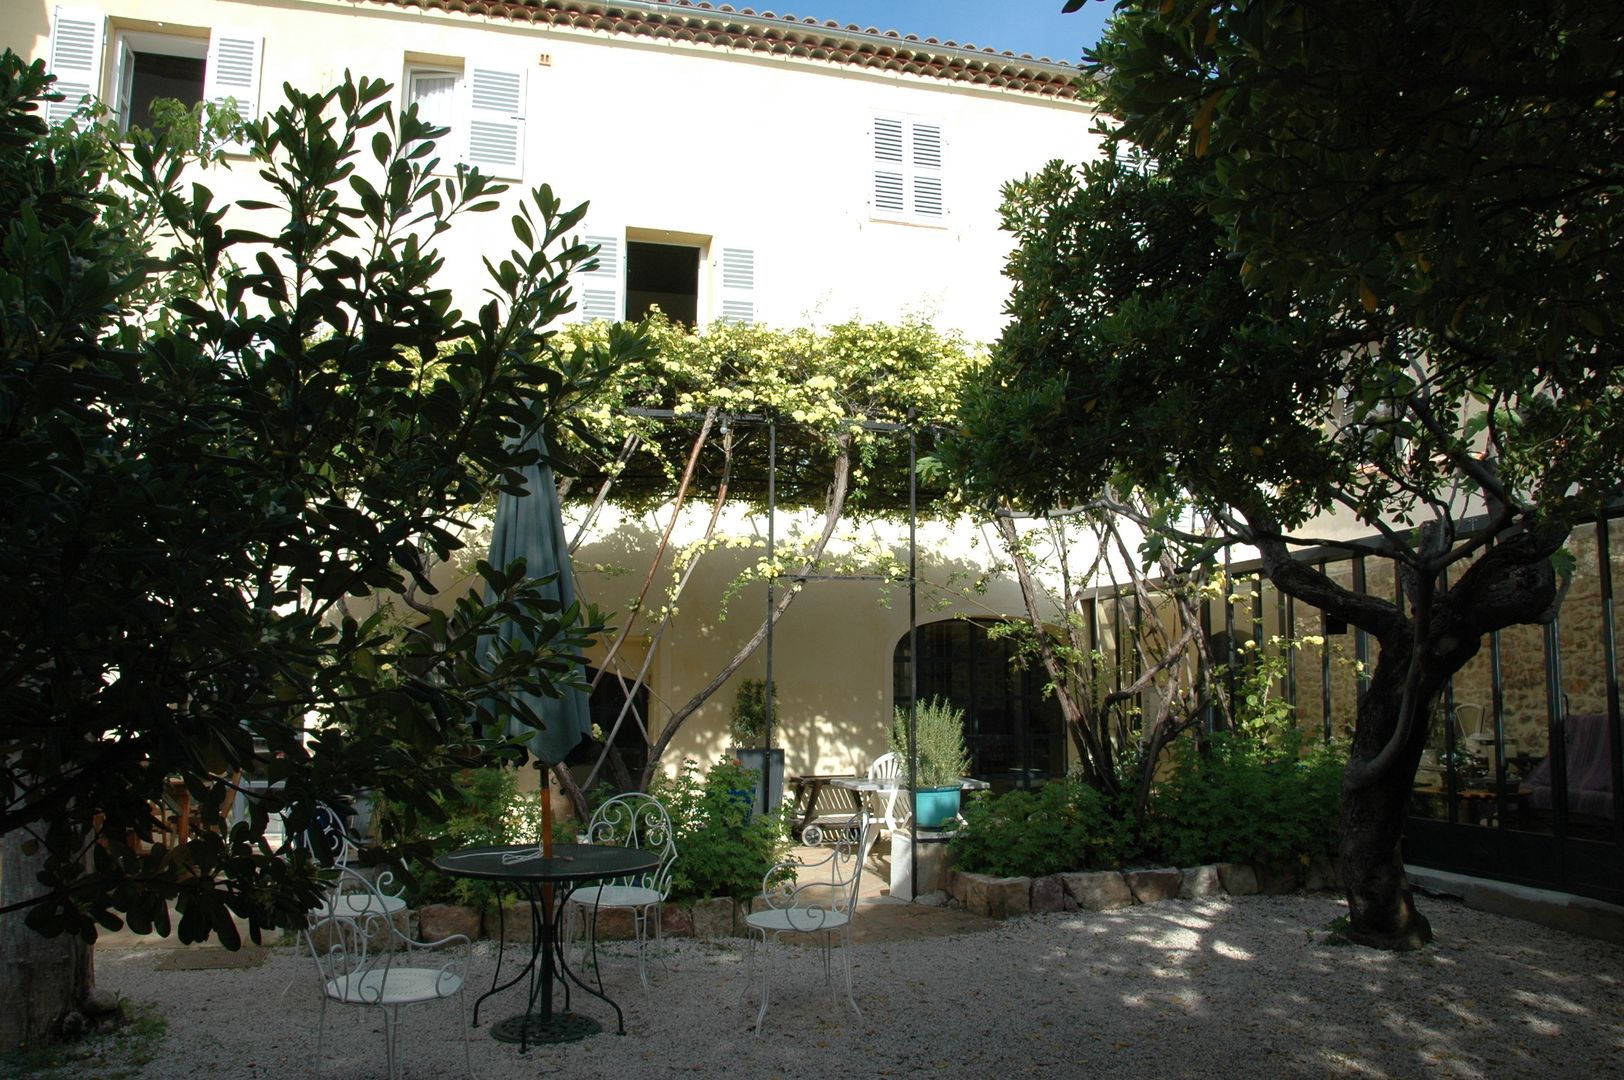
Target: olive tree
<point>1324,292</point>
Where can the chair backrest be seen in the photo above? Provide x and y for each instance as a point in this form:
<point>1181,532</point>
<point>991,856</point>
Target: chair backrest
<point>811,900</point>
<point>885,767</point>
<point>890,803</point>
<point>637,820</point>
<point>325,837</point>
<point>353,942</point>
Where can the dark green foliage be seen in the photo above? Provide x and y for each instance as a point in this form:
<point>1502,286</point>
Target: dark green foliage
<point>1065,825</point>
<point>484,806</point>
<point>1239,801</point>
<point>749,717</point>
<point>206,454</point>
<point>721,849</point>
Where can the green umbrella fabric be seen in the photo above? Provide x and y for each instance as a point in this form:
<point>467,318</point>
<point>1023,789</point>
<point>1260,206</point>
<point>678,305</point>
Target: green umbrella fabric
<point>531,526</point>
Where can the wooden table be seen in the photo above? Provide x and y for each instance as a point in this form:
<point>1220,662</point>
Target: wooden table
<point>1479,805</point>
<point>819,795</point>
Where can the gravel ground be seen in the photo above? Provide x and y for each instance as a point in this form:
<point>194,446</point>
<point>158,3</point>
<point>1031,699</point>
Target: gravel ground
<point>1219,988</point>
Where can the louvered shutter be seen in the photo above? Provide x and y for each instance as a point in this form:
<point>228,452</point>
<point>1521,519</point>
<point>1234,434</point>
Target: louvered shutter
<point>496,122</point>
<point>926,151</point>
<point>889,171</point>
<point>76,58</point>
<point>600,288</point>
<point>738,285</point>
<point>232,71</point>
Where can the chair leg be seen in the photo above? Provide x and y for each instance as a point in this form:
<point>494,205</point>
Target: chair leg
<point>766,980</point>
<point>640,926</point>
<point>390,1023</point>
<point>467,1055</point>
<point>845,963</point>
<point>321,1030</point>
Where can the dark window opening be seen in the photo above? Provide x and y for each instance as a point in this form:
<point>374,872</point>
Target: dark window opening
<point>153,76</point>
<point>1014,732</point>
<point>605,705</point>
<point>663,275</point>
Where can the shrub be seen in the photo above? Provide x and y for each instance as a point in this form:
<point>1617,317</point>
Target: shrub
<point>939,734</point>
<point>1065,825</point>
<point>721,849</point>
<point>1246,800</point>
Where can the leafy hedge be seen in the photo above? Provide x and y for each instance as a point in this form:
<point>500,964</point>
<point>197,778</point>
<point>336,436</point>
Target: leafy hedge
<point>1239,802</point>
<point>1240,799</point>
<point>721,849</point>
<point>1065,825</point>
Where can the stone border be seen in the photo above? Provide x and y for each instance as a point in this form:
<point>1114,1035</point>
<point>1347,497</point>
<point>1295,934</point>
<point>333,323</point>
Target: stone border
<point>711,919</point>
<point>1103,890</point>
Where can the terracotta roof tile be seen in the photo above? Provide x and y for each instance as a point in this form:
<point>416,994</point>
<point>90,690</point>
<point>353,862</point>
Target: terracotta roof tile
<point>828,41</point>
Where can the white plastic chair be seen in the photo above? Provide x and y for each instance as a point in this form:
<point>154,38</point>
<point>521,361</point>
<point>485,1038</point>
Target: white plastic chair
<point>818,897</point>
<point>638,821</point>
<point>891,803</point>
<point>367,960</point>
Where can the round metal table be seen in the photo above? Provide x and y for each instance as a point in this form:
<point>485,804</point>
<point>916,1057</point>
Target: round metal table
<point>569,866</point>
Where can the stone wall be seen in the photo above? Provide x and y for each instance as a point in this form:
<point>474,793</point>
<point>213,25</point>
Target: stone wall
<point>1103,890</point>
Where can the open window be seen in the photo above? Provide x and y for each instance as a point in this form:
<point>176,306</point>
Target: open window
<point>190,67</point>
<point>692,279</point>
<point>663,275</point>
<point>483,106</point>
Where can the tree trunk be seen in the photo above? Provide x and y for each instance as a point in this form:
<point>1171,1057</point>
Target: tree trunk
<point>41,979</point>
<point>1381,905</point>
<point>1420,645</point>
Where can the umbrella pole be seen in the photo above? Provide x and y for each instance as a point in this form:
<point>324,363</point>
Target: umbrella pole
<point>546,812</point>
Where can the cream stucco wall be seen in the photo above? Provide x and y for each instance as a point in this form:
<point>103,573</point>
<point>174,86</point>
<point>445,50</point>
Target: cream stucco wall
<point>719,148</point>
<point>690,143</point>
<point>832,651</point>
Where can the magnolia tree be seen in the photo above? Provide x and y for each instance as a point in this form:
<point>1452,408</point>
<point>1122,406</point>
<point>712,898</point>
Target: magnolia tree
<point>1316,292</point>
<point>221,420</point>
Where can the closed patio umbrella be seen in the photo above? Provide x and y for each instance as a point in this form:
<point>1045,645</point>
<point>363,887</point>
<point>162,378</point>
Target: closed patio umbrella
<point>531,526</point>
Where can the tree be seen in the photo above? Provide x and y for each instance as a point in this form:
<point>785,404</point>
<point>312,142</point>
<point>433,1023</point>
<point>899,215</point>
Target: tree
<point>223,425</point>
<point>1386,297</point>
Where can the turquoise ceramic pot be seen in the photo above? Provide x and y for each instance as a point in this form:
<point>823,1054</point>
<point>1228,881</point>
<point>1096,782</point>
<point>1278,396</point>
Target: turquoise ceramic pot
<point>933,807</point>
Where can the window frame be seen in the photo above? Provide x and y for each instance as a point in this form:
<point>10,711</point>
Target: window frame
<point>918,181</point>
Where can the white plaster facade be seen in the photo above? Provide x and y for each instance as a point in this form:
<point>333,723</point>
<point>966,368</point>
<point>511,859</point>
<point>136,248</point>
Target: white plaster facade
<point>821,173</point>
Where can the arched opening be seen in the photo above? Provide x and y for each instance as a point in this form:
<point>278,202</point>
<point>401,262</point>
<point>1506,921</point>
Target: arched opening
<point>1014,731</point>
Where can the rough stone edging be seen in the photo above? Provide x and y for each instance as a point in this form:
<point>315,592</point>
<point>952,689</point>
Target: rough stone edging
<point>1104,890</point>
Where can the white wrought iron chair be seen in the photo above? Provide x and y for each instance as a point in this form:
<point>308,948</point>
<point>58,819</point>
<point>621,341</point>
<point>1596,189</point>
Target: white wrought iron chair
<point>367,960</point>
<point>817,897</point>
<point>891,803</point>
<point>638,821</point>
<point>332,845</point>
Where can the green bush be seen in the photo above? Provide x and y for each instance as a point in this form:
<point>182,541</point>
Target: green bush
<point>1065,825</point>
<point>721,849</point>
<point>1247,800</point>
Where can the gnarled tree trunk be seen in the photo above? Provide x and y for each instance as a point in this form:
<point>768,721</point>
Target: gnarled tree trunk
<point>41,979</point>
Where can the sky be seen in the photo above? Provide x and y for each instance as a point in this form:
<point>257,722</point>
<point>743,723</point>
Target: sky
<point>1017,26</point>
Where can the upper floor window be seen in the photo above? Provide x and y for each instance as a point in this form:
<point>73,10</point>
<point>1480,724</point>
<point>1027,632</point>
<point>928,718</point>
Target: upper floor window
<point>205,65</point>
<point>689,277</point>
<point>907,170</point>
<point>483,108</point>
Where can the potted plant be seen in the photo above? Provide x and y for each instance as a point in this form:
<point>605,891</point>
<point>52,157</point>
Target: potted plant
<point>749,730</point>
<point>943,759</point>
